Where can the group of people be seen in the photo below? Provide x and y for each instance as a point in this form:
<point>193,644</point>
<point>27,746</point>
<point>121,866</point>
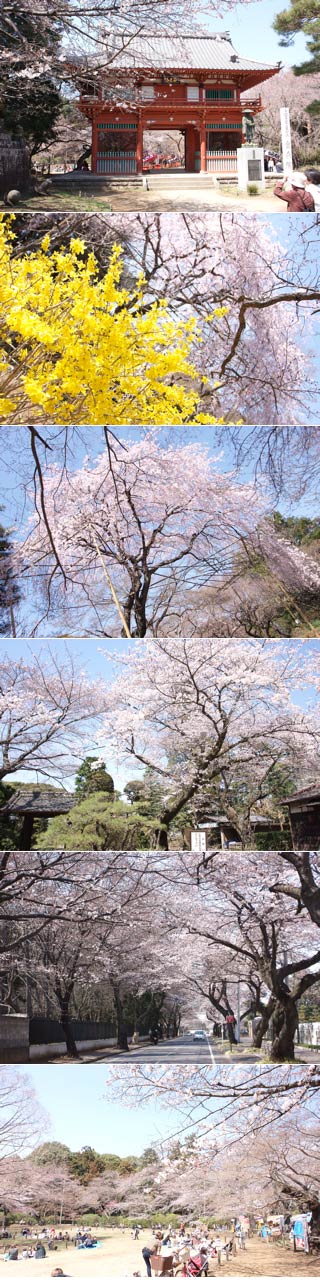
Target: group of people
<point>46,1239</point>
<point>85,1239</point>
<point>36,1253</point>
<point>180,1249</point>
<point>272,163</point>
<point>301,191</point>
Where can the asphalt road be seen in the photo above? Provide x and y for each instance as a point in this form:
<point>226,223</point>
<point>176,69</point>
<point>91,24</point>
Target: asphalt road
<point>176,1051</point>
<point>184,1051</point>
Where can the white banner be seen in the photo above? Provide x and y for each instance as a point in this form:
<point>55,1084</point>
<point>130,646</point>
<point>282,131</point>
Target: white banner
<point>286,140</point>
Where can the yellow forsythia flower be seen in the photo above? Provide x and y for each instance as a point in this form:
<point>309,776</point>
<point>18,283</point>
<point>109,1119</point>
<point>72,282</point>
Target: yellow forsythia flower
<point>76,348</point>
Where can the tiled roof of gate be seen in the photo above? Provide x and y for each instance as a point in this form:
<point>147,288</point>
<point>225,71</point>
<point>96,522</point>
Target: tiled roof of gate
<point>175,53</point>
<point>39,802</point>
<point>304,795</point>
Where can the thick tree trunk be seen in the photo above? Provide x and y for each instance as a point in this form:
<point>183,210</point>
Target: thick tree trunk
<point>70,1041</point>
<point>122,1033</point>
<point>285,1024</point>
<point>140,619</point>
<point>231,1035</point>
<point>262,1025</point>
<point>260,1032</point>
<point>64,996</point>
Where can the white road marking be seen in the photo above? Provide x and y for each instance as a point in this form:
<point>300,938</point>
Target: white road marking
<point>212,1057</point>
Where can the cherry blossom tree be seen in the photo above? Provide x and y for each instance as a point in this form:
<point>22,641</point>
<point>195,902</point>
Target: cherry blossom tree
<point>142,525</point>
<point>22,1119</point>
<point>286,90</point>
<point>253,927</point>
<point>290,1156</point>
<point>33,1191</point>
<point>98,553</point>
<point>221,1106</point>
<point>73,925</point>
<point>213,707</point>
<point>272,590</point>
<point>304,888</point>
<point>47,712</point>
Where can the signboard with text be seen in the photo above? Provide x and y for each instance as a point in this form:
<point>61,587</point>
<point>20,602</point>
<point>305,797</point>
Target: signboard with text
<point>286,140</point>
<point>198,842</point>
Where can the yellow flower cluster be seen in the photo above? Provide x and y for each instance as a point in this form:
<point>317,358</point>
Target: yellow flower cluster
<point>76,348</point>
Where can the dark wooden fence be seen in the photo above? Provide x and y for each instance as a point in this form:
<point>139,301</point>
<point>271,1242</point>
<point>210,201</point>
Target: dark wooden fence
<point>45,1030</point>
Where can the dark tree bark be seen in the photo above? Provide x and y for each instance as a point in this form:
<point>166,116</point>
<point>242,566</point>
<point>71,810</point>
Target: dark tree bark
<point>70,1041</point>
<point>263,1024</point>
<point>64,998</point>
<point>122,1032</point>
<point>285,1025</point>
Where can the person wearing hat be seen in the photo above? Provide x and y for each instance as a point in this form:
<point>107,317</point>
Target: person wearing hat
<point>293,191</point>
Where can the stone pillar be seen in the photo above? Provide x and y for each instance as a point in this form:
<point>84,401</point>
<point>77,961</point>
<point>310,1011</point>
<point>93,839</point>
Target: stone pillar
<point>203,147</point>
<point>14,1040</point>
<point>139,145</point>
<point>14,163</point>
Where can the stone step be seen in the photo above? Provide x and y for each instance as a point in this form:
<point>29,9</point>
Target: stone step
<point>154,182</point>
<point>96,184</point>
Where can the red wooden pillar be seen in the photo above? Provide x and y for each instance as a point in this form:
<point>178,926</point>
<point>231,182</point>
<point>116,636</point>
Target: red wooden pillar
<point>190,149</point>
<point>94,145</point>
<point>139,145</point>
<point>203,147</point>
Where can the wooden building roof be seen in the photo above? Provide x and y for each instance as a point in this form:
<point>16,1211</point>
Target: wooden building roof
<point>303,795</point>
<point>181,53</point>
<point>39,802</point>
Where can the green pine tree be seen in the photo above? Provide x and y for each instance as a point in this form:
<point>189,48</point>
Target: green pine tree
<point>93,777</point>
<point>301,16</point>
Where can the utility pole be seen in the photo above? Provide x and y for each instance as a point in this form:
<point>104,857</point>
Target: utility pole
<point>238,1011</point>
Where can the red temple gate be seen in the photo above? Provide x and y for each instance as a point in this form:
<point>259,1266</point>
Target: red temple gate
<point>193,84</point>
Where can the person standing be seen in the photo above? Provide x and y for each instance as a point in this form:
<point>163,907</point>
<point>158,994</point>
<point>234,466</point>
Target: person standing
<point>313,186</point>
<point>296,196</point>
<point>147,1253</point>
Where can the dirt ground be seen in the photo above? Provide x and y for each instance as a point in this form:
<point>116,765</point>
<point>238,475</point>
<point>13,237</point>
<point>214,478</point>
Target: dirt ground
<point>118,1255</point>
<point>271,1258</point>
<point>159,201</point>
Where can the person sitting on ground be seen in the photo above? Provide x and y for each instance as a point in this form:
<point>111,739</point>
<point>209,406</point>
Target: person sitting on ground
<point>12,1254</point>
<point>313,186</point>
<point>40,1252</point>
<point>293,191</point>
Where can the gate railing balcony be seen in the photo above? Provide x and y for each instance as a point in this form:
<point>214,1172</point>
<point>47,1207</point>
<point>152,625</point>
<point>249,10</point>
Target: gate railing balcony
<point>116,162</point>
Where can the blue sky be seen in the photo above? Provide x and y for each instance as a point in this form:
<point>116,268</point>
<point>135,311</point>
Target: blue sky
<point>250,27</point>
<point>74,1097</point>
